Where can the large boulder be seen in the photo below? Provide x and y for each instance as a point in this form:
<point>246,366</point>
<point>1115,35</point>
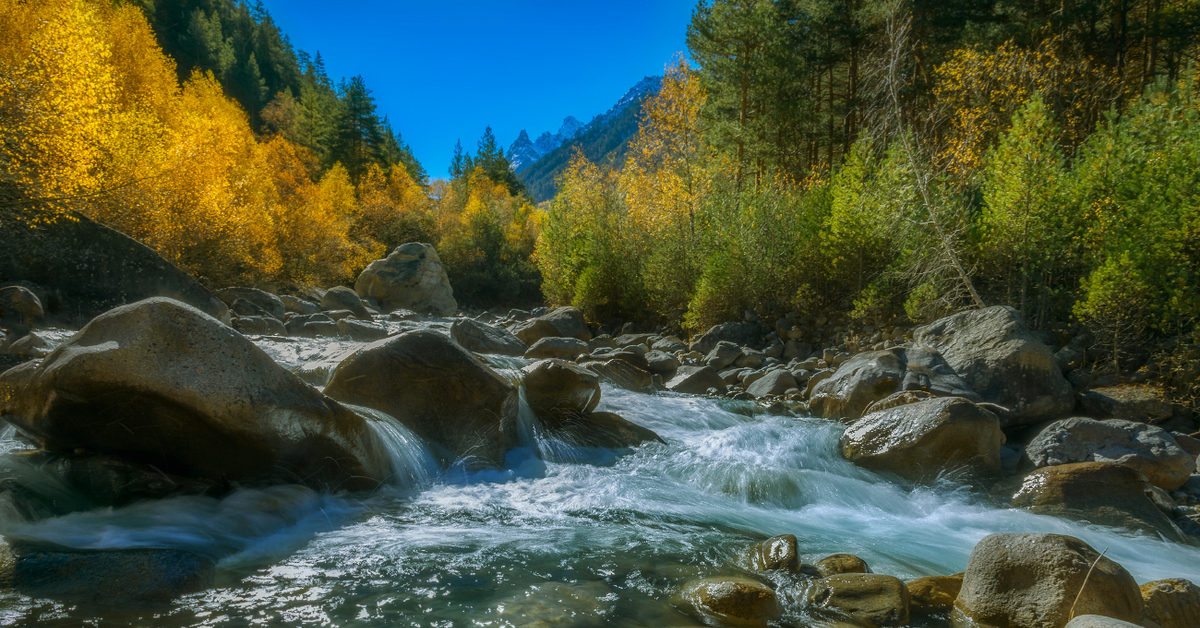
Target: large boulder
<point>340,298</point>
<point>874,599</point>
<point>874,375</point>
<point>268,302</point>
<point>558,391</point>
<point>481,338</point>
<point>436,388</point>
<point>1104,493</point>
<point>86,268</point>
<point>1002,361</point>
<point>773,383</point>
<point>411,277</point>
<point>162,383</point>
<point>918,441</point>
<point>1147,448</point>
<point>566,322</point>
<point>696,380</point>
<point>555,347</point>
<point>1099,621</point>
<point>622,374</point>
<point>1037,581</point>
<point>732,601</point>
<point>1171,603</point>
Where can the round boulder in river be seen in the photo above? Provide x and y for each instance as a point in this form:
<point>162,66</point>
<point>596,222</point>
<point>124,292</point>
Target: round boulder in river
<point>1147,448</point>
<point>412,277</point>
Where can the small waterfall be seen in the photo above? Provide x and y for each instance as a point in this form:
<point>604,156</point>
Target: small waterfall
<point>413,464</point>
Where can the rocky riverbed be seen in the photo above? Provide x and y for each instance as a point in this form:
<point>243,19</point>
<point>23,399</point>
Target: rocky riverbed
<point>311,459</point>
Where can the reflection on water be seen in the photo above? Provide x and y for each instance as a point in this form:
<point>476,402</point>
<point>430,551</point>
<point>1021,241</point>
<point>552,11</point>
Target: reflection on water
<point>557,538</point>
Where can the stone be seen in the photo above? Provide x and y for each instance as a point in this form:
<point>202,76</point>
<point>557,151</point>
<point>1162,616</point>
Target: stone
<point>299,325</point>
<point>1147,448</point>
<point>742,334</point>
<point>1142,404</point>
<point>436,388</point>
<point>874,375</point>
<point>669,344</point>
<point>567,322</point>
<point>732,601</point>
<point>1104,493</point>
<point>481,338</point>
<point>875,599</point>
<point>1037,580</point>
<point>1069,359</point>
<point>87,269</point>
<point>558,391</point>
<point>933,594</point>
<point>554,347</point>
<point>267,302</point>
<point>20,305</point>
<point>161,382</point>
<point>112,576</point>
<point>772,384</point>
<point>242,307</point>
<point>778,553</point>
<point>259,326</point>
<point>31,346</point>
<point>1002,361</point>
<point>114,481</point>
<point>722,355</point>
<point>605,430</point>
<point>1171,603</point>
<point>360,330</point>
<point>901,398</point>
<point>695,380</point>
<point>410,277</point>
<point>298,305</point>
<point>840,564</point>
<point>622,374</point>
<point>342,298</point>
<point>661,362</point>
<point>626,340</point>
<point>920,441</point>
<point>1099,621</point>
<point>750,359</point>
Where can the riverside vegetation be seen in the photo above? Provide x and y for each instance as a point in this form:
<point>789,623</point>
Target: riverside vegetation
<point>804,316</point>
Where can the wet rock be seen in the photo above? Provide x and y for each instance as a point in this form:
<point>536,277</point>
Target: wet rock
<point>1147,448</point>
<point>106,576</point>
<point>361,331</point>
<point>566,322</point>
<point>605,430</point>
<point>557,391</point>
<point>299,325</point>
<point>733,601</point>
<point>695,380</point>
<point>481,338</point>
<point>622,374</point>
<point>340,298</point>
<point>31,346</point>
<point>921,440</point>
<point>1034,580</point>
<point>841,564</point>
<point>268,303</point>
<point>87,269</point>
<point>113,481</point>
<point>1002,361</point>
<point>551,604</point>
<point>162,383</point>
<point>410,277</point>
<point>897,399</point>
<point>934,594</point>
<point>722,355</point>
<point>875,599</point>
<point>20,305</point>
<point>259,326</point>
<point>554,347</point>
<point>1104,493</point>
<point>874,375</point>
<point>772,384</point>
<point>437,389</point>
<point>778,553</point>
<point>1171,603</point>
<point>298,305</point>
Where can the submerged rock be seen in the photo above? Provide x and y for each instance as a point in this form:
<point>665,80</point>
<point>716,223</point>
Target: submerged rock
<point>1002,361</point>
<point>732,600</point>
<point>1147,448</point>
<point>436,388</point>
<point>411,277</point>
<point>919,441</point>
<point>875,599</point>
<point>874,375</point>
<point>160,382</point>
<point>1036,581</point>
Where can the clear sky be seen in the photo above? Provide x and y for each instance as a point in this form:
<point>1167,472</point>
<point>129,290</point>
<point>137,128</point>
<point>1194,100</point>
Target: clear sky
<point>442,70</point>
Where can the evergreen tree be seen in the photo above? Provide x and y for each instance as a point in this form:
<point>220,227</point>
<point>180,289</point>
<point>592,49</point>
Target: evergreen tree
<point>460,163</point>
<point>358,141</point>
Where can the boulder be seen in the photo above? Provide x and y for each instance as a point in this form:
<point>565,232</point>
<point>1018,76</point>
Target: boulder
<point>360,330</point>
<point>732,601</point>
<point>695,380</point>
<point>742,334</point>
<point>411,277</point>
<point>20,305</point>
<point>840,564</point>
<point>298,305</point>
<point>566,322</point>
<point>297,325</point>
<point>162,383</point>
<point>1104,493</point>
<point>481,338</point>
<point>894,400</point>
<point>773,384</point>
<point>875,599</point>
<point>778,553</point>
<point>87,269</point>
<point>259,326</point>
<point>436,388</point>
<point>113,576</point>
<point>342,298</point>
<point>874,375</point>
<point>1037,580</point>
<point>919,441</point>
<point>933,594</point>
<point>1147,448</point>
<point>242,307</point>
<point>605,430</point>
<point>558,391</point>
<point>1171,603</point>
<point>1143,404</point>
<point>723,354</point>
<point>555,347</point>
<point>622,374</point>
<point>1099,621</point>
<point>661,362</point>
<point>267,302</point>
<point>1002,361</point>
<point>113,481</point>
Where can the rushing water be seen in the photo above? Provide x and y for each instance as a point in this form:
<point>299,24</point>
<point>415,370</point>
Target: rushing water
<point>560,537</point>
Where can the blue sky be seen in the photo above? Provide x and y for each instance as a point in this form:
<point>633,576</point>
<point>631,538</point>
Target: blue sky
<point>444,70</point>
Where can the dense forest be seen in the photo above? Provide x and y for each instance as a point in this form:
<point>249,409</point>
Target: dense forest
<point>905,159</point>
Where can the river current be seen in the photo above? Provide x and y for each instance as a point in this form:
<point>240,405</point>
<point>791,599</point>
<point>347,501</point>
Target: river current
<point>560,537</point>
